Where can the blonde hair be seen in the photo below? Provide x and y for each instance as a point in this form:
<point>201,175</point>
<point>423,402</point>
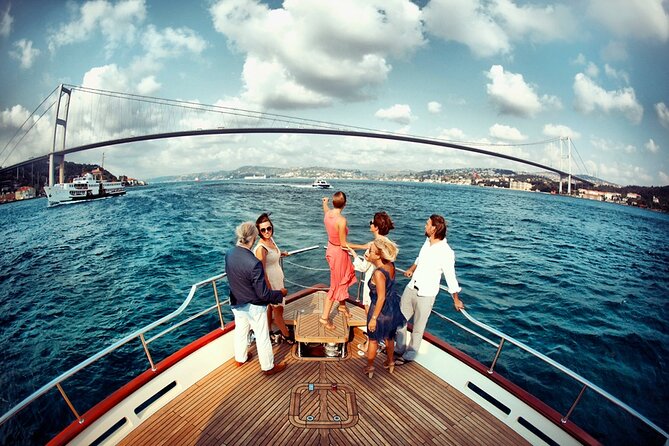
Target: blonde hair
<point>246,232</point>
<point>388,250</point>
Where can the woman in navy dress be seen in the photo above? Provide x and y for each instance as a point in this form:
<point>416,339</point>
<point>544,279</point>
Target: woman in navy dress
<point>384,316</point>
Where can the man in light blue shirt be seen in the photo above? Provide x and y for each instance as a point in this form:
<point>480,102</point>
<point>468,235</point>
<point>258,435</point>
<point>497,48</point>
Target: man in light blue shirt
<point>435,258</point>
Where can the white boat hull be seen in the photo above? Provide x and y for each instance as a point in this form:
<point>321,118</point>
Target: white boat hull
<point>82,189</point>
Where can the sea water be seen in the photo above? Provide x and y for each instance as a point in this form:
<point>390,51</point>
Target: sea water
<point>584,282</point>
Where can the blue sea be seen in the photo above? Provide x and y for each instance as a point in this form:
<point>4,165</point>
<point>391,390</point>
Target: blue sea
<point>584,282</point>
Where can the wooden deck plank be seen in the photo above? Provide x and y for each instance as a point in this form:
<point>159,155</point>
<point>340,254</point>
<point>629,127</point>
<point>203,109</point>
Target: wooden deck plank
<point>235,406</point>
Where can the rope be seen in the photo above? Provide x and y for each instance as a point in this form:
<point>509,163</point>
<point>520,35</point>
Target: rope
<point>305,267</point>
<point>305,287</point>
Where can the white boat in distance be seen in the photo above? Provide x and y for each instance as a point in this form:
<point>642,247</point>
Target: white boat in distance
<point>82,189</point>
<point>320,183</point>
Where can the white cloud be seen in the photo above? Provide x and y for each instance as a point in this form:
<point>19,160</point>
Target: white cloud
<point>592,70</point>
<point>348,45</point>
<point>590,96</point>
<point>615,51</point>
<point>6,21</point>
<point>13,117</point>
<point>506,132</point>
<point>664,177</point>
<point>488,28</point>
<point>641,20</point>
<point>107,77</point>
<point>170,42</point>
<point>452,134</point>
<point>535,23</point>
<point>662,114</point>
<point>465,21</point>
<point>434,107</point>
<point>25,53</point>
<point>559,131</point>
<point>606,145</point>
<point>616,74</point>
<point>399,113</point>
<point>118,23</point>
<point>31,144</point>
<point>652,146</point>
<point>512,95</point>
<point>624,174</point>
<point>148,86</point>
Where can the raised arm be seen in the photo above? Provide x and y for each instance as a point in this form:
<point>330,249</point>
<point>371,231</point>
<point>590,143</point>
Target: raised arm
<point>326,208</point>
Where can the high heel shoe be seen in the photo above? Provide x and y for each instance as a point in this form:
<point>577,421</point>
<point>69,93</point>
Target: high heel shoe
<point>369,371</point>
<point>389,366</point>
<point>343,309</point>
<point>326,322</point>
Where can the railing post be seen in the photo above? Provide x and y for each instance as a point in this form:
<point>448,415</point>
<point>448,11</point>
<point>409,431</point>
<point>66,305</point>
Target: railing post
<point>146,350</point>
<point>69,403</point>
<point>494,361</point>
<point>564,419</point>
<point>218,304</point>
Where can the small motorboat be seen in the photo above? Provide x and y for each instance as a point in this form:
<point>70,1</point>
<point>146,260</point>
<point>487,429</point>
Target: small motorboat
<point>320,183</point>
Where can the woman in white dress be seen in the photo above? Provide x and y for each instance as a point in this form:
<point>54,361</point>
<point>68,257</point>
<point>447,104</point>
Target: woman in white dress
<point>380,225</point>
<point>269,254</point>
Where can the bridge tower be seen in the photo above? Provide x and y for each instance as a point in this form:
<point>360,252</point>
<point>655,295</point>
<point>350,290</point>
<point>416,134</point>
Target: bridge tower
<point>568,142</point>
<point>62,110</point>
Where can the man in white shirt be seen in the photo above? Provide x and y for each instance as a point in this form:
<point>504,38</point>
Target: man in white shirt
<point>435,258</point>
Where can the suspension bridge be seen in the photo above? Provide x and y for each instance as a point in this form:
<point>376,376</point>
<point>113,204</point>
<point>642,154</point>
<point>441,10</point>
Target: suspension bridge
<point>75,118</point>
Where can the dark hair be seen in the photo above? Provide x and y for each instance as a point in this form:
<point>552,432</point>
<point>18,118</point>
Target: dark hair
<point>262,219</point>
<point>383,223</point>
<point>440,224</point>
<point>339,200</point>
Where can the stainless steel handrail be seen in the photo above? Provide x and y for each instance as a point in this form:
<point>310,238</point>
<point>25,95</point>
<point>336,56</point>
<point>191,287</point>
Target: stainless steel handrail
<point>56,382</point>
<point>586,383</point>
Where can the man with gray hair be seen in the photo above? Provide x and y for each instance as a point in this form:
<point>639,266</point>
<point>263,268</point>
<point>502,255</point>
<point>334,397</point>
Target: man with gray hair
<point>249,297</point>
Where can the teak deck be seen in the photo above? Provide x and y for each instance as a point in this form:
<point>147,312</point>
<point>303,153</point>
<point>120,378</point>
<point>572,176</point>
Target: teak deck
<point>319,402</point>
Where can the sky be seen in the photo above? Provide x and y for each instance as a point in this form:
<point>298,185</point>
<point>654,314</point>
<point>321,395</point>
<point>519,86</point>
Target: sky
<point>505,75</point>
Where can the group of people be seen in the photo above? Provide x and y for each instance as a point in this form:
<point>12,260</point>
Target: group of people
<point>257,292</point>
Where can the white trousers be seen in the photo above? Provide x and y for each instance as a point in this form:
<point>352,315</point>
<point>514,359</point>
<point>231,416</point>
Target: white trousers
<point>253,317</point>
<point>418,307</point>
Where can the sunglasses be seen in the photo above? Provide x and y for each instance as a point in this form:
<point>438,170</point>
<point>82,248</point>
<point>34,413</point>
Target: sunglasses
<point>267,229</point>
<point>371,222</point>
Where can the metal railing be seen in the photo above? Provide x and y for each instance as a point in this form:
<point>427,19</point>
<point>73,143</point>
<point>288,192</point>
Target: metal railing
<point>138,334</point>
<point>575,376</point>
<point>506,338</point>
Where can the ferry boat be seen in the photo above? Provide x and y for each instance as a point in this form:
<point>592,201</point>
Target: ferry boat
<point>320,183</point>
<point>82,188</point>
<point>199,395</point>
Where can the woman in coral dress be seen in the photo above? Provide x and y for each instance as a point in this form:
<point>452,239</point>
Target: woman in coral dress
<point>342,274</point>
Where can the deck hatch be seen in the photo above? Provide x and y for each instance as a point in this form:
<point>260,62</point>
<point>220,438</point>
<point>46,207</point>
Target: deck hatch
<point>323,406</point>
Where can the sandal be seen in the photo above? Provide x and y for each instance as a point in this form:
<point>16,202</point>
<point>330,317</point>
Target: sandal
<point>343,309</point>
<point>287,339</point>
<point>389,366</point>
<point>326,322</point>
<point>369,371</point>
